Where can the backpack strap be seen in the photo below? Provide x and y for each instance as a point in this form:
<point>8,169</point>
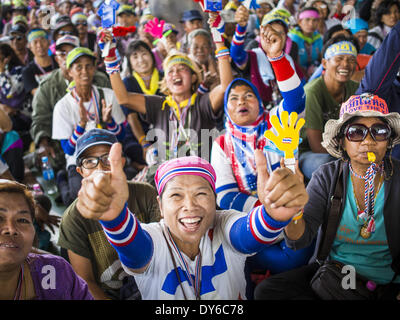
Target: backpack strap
<point>331,224</point>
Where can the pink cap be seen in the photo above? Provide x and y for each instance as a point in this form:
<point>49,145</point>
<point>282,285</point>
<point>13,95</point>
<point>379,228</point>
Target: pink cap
<point>364,102</point>
<point>192,165</point>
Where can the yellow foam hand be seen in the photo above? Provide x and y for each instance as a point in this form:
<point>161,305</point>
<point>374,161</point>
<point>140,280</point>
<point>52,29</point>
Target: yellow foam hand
<point>288,136</point>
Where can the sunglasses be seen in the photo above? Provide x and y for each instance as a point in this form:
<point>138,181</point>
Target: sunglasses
<point>358,132</point>
<point>65,33</point>
<point>18,38</point>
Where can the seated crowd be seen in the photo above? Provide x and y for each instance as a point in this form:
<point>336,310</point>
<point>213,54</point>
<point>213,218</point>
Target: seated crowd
<point>168,185</point>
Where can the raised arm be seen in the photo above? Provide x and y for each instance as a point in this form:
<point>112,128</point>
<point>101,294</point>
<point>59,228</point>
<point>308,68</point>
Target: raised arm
<point>134,101</point>
<point>238,53</point>
<point>225,71</point>
<point>288,81</point>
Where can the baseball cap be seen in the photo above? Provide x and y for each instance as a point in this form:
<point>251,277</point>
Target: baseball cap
<point>190,15</point>
<point>78,52</point>
<point>67,39</point>
<point>126,8</point>
<point>169,27</point>
<point>18,28</point>
<point>92,138</point>
<point>78,16</point>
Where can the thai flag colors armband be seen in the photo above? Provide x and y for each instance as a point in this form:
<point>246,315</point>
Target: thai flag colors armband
<point>289,84</point>
<point>251,233</point>
<point>286,76</point>
<point>133,244</point>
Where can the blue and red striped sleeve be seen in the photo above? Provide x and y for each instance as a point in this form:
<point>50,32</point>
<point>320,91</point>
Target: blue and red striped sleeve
<point>238,53</point>
<point>133,244</point>
<point>253,232</point>
<point>70,144</point>
<point>290,85</point>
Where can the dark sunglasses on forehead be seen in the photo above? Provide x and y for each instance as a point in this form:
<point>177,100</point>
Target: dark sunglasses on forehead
<point>357,132</point>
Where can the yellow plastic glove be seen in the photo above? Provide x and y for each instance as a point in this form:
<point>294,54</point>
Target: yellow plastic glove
<point>288,136</point>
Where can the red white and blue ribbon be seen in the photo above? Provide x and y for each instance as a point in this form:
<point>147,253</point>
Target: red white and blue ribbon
<point>195,280</point>
<point>369,194</point>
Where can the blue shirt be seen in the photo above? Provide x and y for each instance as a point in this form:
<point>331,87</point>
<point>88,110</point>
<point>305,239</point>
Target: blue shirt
<point>370,257</point>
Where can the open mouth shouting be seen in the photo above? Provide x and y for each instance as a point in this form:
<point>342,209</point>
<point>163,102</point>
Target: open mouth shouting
<point>190,224</point>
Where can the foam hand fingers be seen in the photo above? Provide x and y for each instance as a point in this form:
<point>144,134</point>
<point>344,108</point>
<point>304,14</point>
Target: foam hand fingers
<point>277,125</point>
<point>272,137</point>
<point>300,125</point>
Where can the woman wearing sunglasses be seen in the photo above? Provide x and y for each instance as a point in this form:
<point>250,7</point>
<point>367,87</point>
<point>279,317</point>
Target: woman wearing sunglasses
<point>367,236</point>
<point>86,39</point>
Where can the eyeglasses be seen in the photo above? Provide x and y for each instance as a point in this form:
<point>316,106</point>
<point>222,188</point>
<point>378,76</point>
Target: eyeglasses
<point>358,132</point>
<point>64,33</point>
<point>61,53</point>
<point>93,162</point>
<point>18,38</point>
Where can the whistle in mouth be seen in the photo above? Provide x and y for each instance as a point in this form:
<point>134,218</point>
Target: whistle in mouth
<point>371,156</point>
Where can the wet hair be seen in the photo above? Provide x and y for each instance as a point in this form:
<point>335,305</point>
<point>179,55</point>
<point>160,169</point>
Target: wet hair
<point>135,46</point>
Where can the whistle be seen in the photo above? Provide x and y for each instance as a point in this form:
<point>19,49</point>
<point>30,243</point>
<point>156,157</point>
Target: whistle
<point>371,156</point>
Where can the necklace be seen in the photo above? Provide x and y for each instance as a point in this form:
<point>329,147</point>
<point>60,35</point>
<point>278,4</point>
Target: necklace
<point>194,280</point>
<point>367,214</point>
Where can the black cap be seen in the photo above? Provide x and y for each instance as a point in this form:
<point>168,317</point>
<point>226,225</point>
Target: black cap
<point>92,138</point>
<point>18,28</point>
<point>190,15</point>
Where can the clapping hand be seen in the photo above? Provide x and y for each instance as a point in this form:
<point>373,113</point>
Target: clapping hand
<point>106,112</point>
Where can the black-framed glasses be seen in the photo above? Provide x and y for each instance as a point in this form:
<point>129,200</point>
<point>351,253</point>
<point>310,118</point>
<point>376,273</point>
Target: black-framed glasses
<point>357,132</point>
<point>93,162</point>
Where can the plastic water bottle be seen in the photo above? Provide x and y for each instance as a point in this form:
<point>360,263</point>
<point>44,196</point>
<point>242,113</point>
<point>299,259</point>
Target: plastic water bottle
<point>48,176</point>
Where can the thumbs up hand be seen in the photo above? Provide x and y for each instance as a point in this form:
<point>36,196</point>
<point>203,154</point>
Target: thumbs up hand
<point>282,193</point>
<point>104,193</point>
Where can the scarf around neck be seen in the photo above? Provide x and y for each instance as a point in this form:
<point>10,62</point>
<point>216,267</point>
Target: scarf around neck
<point>242,141</point>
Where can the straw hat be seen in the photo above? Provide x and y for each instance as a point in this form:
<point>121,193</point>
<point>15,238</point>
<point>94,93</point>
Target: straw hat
<point>364,105</point>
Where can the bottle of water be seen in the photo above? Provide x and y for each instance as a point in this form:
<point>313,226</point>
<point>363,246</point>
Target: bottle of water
<point>48,176</point>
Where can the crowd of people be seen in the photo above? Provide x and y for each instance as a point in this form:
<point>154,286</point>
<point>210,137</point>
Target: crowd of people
<point>157,140</point>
